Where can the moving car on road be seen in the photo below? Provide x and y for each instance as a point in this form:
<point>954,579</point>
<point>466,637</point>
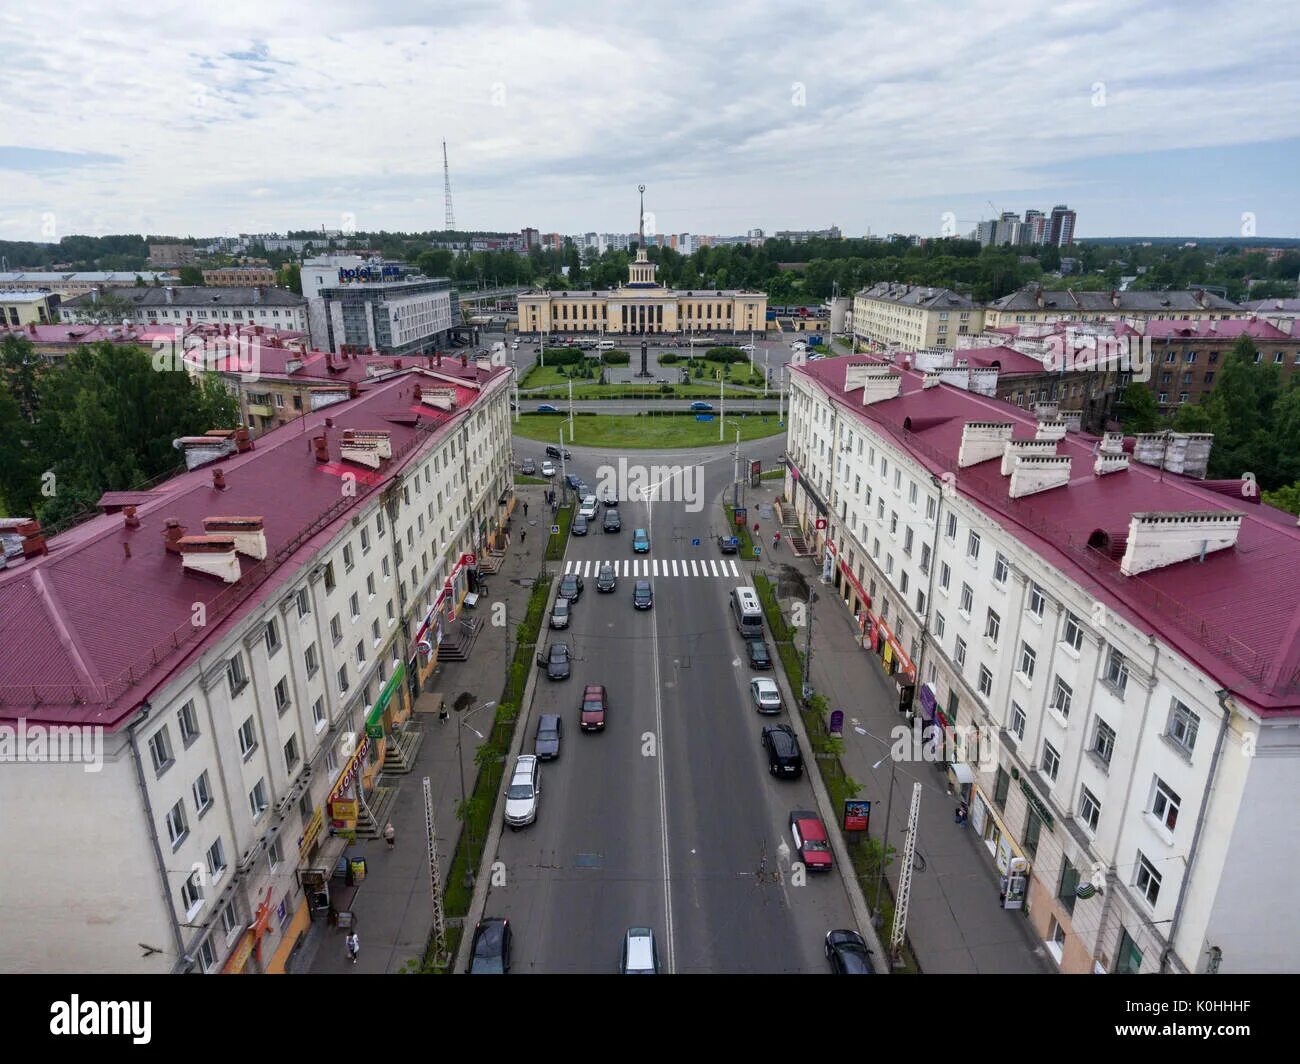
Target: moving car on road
<point>554,452</point>
<point>523,792</point>
<point>572,480</point>
<point>546,408</point>
<point>784,758</point>
<point>612,522</point>
<point>759,658</point>
<point>640,542</point>
<point>765,695</point>
<point>528,467</point>
<point>548,470</point>
<point>848,953</point>
<point>490,952</point>
<point>642,597</point>
<point>810,840</point>
<point>640,956</point>
<point>547,743</point>
<point>700,405</point>
<point>571,587</point>
<point>556,660</point>
<point>595,701</point>
<point>605,579</point>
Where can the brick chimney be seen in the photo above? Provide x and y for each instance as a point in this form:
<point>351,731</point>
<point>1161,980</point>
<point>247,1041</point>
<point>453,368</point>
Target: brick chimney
<point>131,520</point>
<point>33,540</point>
<point>248,533</point>
<point>321,444</point>
<point>213,555</point>
<point>219,479</point>
<point>464,360</point>
<point>1035,473</point>
<point>173,533</point>
<point>418,392</point>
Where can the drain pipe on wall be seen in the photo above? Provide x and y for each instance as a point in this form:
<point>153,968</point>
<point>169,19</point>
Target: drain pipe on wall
<point>1225,702</point>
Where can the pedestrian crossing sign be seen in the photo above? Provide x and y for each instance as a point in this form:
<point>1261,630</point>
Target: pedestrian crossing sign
<point>555,530</point>
<point>758,551</point>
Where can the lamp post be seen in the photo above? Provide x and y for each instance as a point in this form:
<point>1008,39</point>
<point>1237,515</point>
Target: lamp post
<point>460,761</point>
<point>735,478</point>
<point>807,648</point>
<point>884,839</point>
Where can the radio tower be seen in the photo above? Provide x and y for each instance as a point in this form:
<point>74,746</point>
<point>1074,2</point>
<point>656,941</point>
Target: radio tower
<point>450,222</point>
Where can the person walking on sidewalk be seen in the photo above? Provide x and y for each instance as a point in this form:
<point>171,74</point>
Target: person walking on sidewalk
<point>354,946</point>
<point>525,509</point>
<point>523,535</point>
<point>390,835</point>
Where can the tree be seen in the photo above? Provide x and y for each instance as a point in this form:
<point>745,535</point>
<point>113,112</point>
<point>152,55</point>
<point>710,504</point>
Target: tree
<point>1137,410</point>
<point>191,275</point>
<point>1285,498</point>
<point>435,263</point>
<point>290,276</point>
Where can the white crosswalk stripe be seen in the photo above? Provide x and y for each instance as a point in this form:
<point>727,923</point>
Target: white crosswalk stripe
<point>568,567</point>
<point>674,567</point>
<point>734,570</point>
<point>654,567</point>
<point>704,568</point>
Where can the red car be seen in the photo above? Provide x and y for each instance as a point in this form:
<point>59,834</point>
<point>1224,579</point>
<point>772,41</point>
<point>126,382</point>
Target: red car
<point>594,704</point>
<point>810,841</point>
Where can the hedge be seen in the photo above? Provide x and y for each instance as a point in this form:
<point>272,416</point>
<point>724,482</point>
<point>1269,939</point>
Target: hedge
<point>617,358</point>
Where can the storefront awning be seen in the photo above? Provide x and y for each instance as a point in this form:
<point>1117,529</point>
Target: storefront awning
<point>961,772</point>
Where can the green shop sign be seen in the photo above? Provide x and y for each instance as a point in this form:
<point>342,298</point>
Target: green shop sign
<point>1036,804</point>
<point>375,719</point>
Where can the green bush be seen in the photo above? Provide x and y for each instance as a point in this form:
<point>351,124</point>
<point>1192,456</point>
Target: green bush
<point>617,358</point>
<point>699,372</point>
<point>669,359</point>
<point>563,356</point>
<point>726,354</point>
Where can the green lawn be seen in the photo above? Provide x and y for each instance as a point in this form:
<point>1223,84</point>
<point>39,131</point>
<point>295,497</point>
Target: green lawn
<point>521,478</point>
<point>644,430</point>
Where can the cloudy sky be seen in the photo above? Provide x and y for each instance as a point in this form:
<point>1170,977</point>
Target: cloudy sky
<point>1152,118</point>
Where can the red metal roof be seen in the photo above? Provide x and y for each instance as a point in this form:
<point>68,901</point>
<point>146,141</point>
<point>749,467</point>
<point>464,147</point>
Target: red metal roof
<point>89,633</point>
<point>1236,614</point>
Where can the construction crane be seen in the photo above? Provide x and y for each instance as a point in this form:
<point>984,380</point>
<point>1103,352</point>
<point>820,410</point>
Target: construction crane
<point>450,221</point>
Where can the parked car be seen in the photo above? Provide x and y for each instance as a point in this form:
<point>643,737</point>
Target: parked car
<point>640,956</point>
<point>642,597</point>
<point>848,953</point>
<point>640,542</point>
<point>528,467</point>
<point>588,507</point>
<point>591,715</point>
<point>606,580</point>
<point>746,347</point>
<point>612,522</point>
<point>490,950</point>
<point>548,470</point>
<point>759,657</point>
<point>554,452</point>
<point>556,660</point>
<point>579,526</point>
<point>699,404</point>
<point>729,544</point>
<point>571,586</point>
<point>784,758</point>
<point>572,480</point>
<point>523,793</point>
<point>547,743</point>
<point>765,694</point>
<point>560,613</point>
<point>810,840</point>
<point>546,408</point>
<point>609,496</point>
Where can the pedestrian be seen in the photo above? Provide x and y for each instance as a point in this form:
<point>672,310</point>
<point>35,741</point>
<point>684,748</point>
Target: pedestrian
<point>523,535</point>
<point>354,947</point>
<point>390,835</point>
<point>961,813</point>
<point>525,509</point>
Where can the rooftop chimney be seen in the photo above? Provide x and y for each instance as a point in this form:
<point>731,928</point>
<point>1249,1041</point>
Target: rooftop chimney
<point>213,555</point>
<point>437,358</point>
<point>1112,443</point>
<point>173,532</point>
<point>1016,448</point>
<point>33,540</point>
<point>1050,430</point>
<point>1035,473</point>
<point>247,533</point>
<point>983,440</point>
<point>1159,539</point>
<point>880,385</point>
<point>321,444</point>
<point>131,520</point>
<point>464,360</point>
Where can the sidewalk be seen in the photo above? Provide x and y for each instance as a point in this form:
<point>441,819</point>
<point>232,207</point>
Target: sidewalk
<point>393,907</point>
<point>954,921</point>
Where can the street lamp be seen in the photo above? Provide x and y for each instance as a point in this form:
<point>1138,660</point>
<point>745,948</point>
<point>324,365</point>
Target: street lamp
<point>876,918</point>
<point>735,478</point>
<point>460,762</point>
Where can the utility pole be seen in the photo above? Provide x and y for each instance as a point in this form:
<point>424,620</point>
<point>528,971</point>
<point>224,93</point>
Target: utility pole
<point>905,877</point>
<point>570,412</point>
<point>884,841</point>
<point>435,879</point>
<point>722,400</point>
<point>564,483</point>
<point>780,398</point>
<point>735,479</point>
<point>807,647</point>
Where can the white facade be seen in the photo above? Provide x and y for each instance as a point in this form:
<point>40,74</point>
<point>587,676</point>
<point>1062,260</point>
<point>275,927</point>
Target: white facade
<point>1103,725</point>
<point>179,312</point>
<point>218,781</point>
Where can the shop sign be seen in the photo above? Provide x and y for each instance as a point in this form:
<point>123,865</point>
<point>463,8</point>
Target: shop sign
<point>1036,804</point>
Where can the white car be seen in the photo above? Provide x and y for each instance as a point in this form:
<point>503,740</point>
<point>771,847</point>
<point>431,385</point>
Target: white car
<point>522,794</point>
<point>747,347</point>
<point>765,695</point>
<point>588,508</point>
<point>548,469</point>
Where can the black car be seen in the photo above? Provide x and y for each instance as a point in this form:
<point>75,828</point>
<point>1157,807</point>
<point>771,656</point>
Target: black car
<point>572,479</point>
<point>554,452</point>
<point>728,544</point>
<point>759,658</point>
<point>528,467</point>
<point>579,526</point>
<point>606,580</point>
<point>612,522</point>
<point>783,756</point>
<point>571,587</point>
<point>556,660</point>
<point>848,953</point>
<point>490,954</point>
<point>642,597</point>
<point>547,744</point>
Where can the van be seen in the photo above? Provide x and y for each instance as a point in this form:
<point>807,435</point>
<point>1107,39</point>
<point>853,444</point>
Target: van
<point>606,345</point>
<point>640,955</point>
<point>747,612</point>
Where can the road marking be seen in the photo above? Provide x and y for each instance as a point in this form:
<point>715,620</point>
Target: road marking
<point>654,567</point>
<point>714,566</point>
<point>663,794</point>
<point>674,568</point>
<point>734,570</point>
<point>626,565</point>
<point>586,568</point>
<point>568,568</point>
<point>693,570</point>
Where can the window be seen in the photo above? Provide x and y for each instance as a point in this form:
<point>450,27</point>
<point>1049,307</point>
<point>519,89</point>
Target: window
<point>920,602</point>
<point>907,541</point>
<point>275,853</point>
<point>354,603</point>
<point>365,538</point>
<point>374,631</point>
<point>1073,636</point>
<point>1036,600</point>
<point>1089,809</point>
<point>1067,885</point>
<point>311,658</point>
<point>1148,879</point>
<point>889,564</point>
<point>911,493</point>
<point>903,582</point>
<point>1062,696</point>
<point>1051,761</point>
<point>379,522</point>
<point>329,577</point>
<point>348,563</point>
<point>236,675</point>
<point>192,894</point>
<point>967,599</point>
<point>986,682</point>
<point>202,793</point>
<point>1165,804</point>
<point>318,711</point>
<point>959,652</point>
<point>247,738</point>
<point>939,625</point>
<point>973,546</point>
<point>303,602</point>
<point>188,721</point>
<point>925,558</point>
<point>1033,828</point>
<point>1116,671</point>
<point>1028,657</point>
<point>272,637</point>
<point>291,753</point>
<point>1017,722</point>
<point>370,585</point>
<point>1183,725</point>
<point>361,654</point>
<point>160,749</point>
<point>893,523</point>
<point>992,626</point>
<point>384,565</point>
<point>230,921</point>
<point>1103,743</point>
<point>216,860</point>
<point>952,527</point>
<point>177,828</point>
<point>929,507</point>
<point>343,679</point>
<point>1000,569</point>
<point>336,629</point>
<point>257,799</point>
<point>1001,785</point>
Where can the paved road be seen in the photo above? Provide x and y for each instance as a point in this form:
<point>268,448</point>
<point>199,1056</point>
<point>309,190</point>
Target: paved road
<point>669,818</point>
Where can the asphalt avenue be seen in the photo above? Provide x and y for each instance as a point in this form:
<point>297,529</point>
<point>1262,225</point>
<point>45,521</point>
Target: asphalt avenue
<point>668,818</point>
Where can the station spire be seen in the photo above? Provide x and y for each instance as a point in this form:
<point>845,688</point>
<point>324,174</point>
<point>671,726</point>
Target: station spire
<point>640,227</point>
